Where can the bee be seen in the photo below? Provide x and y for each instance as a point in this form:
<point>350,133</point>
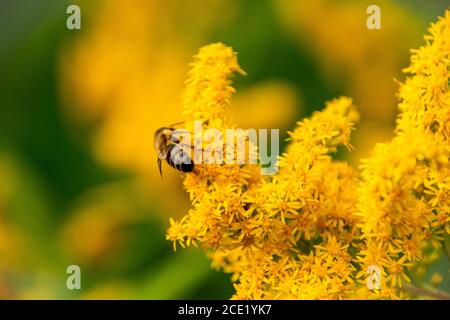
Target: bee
<point>169,148</point>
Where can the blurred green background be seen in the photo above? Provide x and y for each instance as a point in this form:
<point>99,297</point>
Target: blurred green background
<point>78,109</point>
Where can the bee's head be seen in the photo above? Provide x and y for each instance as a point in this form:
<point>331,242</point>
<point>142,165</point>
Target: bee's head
<point>162,135</point>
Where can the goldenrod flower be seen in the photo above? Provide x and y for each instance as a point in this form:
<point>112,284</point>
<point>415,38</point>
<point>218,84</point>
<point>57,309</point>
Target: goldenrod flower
<point>313,230</point>
<point>263,229</point>
<point>404,197</point>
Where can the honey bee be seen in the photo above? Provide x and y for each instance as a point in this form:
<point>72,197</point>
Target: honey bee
<point>170,148</point>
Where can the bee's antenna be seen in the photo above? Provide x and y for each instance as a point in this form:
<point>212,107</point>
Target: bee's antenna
<point>176,124</point>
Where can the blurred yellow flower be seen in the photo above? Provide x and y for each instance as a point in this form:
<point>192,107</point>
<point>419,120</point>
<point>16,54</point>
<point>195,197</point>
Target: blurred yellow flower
<point>436,279</point>
<point>96,227</point>
<point>125,77</point>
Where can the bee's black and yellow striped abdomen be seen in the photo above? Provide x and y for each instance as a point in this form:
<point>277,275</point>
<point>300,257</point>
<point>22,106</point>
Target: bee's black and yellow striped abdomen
<point>178,159</point>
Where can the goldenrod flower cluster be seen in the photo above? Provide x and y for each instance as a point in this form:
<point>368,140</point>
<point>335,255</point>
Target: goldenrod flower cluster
<point>312,230</point>
<point>404,196</point>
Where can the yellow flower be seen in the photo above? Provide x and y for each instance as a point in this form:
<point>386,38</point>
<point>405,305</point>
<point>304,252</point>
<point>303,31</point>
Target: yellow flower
<point>436,279</point>
<point>404,193</point>
<point>261,229</point>
<point>313,230</point>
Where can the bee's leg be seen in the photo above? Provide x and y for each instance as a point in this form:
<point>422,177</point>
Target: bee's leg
<point>159,167</point>
<point>195,171</point>
<point>174,142</point>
